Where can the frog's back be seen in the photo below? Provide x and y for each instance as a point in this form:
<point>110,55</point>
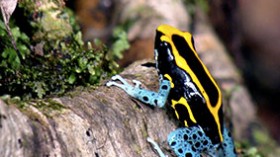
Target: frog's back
<point>195,96</point>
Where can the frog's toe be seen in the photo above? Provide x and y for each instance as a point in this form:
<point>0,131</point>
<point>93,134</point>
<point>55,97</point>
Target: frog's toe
<point>110,83</point>
<point>137,83</point>
<point>116,77</point>
<point>156,147</point>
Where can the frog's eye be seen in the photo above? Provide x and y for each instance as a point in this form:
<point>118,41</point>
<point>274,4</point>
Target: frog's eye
<point>163,52</point>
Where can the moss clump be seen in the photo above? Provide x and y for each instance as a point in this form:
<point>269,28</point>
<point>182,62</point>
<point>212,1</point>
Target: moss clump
<point>53,58</point>
<point>48,105</point>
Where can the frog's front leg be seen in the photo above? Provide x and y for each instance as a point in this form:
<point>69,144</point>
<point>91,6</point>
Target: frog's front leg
<point>149,97</point>
<point>190,142</point>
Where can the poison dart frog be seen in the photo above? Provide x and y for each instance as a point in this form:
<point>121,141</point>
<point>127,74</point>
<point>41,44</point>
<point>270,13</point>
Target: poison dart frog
<point>190,89</point>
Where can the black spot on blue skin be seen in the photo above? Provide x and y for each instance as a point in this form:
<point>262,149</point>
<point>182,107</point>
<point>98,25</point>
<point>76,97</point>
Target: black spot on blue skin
<point>229,134</point>
<point>156,102</point>
<point>200,133</point>
<point>197,144</point>
<point>194,149</point>
<point>145,98</point>
<point>194,136</point>
<point>173,143</point>
<point>188,155</point>
<point>205,142</point>
<point>180,151</point>
<point>186,137</point>
<point>164,87</point>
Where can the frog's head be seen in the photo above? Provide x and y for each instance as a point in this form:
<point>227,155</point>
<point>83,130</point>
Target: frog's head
<point>168,43</point>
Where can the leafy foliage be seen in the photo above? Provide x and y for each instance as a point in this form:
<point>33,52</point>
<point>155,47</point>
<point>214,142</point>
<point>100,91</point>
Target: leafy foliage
<point>120,42</point>
<point>46,69</point>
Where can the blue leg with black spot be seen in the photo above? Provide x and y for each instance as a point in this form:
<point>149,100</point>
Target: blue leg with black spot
<point>227,148</point>
<point>191,142</point>
<point>157,99</point>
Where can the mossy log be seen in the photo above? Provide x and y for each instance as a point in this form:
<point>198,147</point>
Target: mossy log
<point>106,122</point>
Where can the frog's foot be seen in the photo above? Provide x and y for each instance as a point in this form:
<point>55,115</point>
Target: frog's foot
<point>156,147</point>
<point>124,85</point>
<point>137,83</point>
<point>191,142</point>
<point>149,97</point>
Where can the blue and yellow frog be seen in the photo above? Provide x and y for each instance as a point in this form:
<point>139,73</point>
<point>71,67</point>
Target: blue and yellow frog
<point>186,83</point>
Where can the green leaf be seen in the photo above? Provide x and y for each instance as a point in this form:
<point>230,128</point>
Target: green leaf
<point>91,69</point>
<point>5,53</point>
<point>16,63</point>
<point>83,61</point>
<point>78,38</point>
<point>78,70</point>
<point>121,43</point>
<point>11,58</point>
<point>39,88</point>
<point>72,78</point>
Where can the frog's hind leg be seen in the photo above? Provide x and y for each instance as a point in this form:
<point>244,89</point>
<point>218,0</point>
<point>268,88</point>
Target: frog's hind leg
<point>190,142</point>
<point>227,148</point>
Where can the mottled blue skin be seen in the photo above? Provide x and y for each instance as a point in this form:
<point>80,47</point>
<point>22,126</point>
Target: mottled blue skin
<point>190,141</point>
<point>185,141</point>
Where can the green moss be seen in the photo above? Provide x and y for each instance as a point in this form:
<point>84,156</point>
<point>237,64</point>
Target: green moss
<point>13,100</point>
<point>48,105</point>
<point>245,149</point>
<point>53,58</point>
<point>49,30</point>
